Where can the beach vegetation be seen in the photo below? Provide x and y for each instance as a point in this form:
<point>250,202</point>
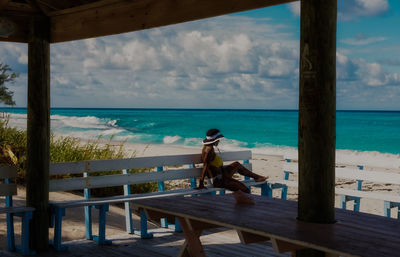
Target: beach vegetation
<point>67,149</point>
<point>6,76</point>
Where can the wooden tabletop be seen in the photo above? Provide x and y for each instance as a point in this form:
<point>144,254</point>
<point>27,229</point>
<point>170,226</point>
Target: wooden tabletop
<point>354,233</point>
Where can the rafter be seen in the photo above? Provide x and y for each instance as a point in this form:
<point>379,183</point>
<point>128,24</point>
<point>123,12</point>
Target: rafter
<point>35,4</point>
<point>110,17</point>
<point>80,19</point>
<point>3,4</point>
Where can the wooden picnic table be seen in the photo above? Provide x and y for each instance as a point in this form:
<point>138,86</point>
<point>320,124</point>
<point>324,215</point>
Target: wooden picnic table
<point>354,233</point>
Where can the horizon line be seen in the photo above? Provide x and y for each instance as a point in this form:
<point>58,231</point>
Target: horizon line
<point>200,109</point>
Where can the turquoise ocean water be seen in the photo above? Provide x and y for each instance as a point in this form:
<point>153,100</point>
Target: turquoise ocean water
<point>377,131</point>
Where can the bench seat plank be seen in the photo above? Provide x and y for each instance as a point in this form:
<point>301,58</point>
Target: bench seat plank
<point>134,197</point>
<point>8,189</point>
<point>121,199</point>
<point>276,218</point>
<point>17,209</point>
<point>7,172</point>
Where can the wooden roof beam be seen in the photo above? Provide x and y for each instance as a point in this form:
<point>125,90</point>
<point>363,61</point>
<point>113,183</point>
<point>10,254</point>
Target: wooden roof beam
<point>21,24</point>
<point>3,4</point>
<point>110,17</point>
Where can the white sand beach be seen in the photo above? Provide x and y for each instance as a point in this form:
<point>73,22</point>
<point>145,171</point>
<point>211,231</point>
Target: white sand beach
<point>267,165</point>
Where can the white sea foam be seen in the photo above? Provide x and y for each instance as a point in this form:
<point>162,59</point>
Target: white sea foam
<point>59,121</point>
<point>368,158</point>
<point>17,120</point>
<point>90,127</point>
<point>171,139</point>
<point>348,157</point>
<point>193,142</point>
<point>86,122</point>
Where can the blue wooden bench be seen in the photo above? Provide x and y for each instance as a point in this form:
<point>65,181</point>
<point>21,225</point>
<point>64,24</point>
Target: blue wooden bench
<point>8,189</point>
<point>163,168</point>
<point>358,174</point>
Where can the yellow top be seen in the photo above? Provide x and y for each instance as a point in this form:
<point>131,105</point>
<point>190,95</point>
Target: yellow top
<point>217,162</point>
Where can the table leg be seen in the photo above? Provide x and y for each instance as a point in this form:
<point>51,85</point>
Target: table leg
<point>192,246</point>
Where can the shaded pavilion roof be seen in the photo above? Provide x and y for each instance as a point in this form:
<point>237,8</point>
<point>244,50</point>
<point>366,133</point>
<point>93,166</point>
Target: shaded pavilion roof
<point>80,19</point>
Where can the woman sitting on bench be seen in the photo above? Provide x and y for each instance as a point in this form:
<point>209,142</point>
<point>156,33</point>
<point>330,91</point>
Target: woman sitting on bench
<point>220,175</point>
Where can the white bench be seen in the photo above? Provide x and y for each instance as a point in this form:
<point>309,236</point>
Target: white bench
<point>8,189</point>
<point>358,174</point>
<point>166,170</point>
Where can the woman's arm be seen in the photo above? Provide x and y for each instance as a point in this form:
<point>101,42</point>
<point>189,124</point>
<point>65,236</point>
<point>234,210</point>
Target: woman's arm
<point>204,157</point>
<point>203,174</point>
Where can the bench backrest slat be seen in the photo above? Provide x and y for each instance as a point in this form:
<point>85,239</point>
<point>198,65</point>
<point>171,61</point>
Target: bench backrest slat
<point>124,179</point>
<point>349,173</point>
<point>8,189</point>
<point>121,179</point>
<point>137,163</point>
<point>7,172</point>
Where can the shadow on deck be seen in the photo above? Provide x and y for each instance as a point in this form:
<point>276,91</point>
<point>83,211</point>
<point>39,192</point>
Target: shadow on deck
<point>216,242</point>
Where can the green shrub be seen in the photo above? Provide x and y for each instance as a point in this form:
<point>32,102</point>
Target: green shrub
<point>68,149</point>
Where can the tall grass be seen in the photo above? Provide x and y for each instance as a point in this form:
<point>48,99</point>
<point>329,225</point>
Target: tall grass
<point>67,149</point>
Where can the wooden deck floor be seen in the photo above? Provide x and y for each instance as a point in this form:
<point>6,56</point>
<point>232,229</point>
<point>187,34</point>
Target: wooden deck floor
<point>217,243</point>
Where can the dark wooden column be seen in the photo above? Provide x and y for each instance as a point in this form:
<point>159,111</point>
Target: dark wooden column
<point>38,129</point>
<point>317,113</point>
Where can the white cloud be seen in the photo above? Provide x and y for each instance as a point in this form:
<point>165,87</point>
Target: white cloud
<point>364,73</point>
<point>294,8</point>
<point>372,74</point>
<point>352,9</point>
<point>231,62</point>
<point>194,64</point>
<point>362,39</point>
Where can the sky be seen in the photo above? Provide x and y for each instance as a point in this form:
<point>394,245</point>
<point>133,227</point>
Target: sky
<point>243,60</point>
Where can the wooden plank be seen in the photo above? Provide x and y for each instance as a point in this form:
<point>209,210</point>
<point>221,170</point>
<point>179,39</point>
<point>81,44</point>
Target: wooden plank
<point>21,24</point>
<point>373,176</point>
<point>126,179</point>
<point>343,191</point>
<point>121,179</point>
<point>200,225</point>
<point>135,197</point>
<point>7,172</point>
<point>193,245</point>
<point>17,209</point>
<point>156,216</point>
<point>395,164</point>
<point>132,198</point>
<point>283,247</point>
<point>262,218</point>
<point>84,7</point>
<point>349,173</point>
<point>8,189</point>
<point>38,131</point>
<point>3,4</point>
<point>248,238</point>
<point>138,163</point>
<point>366,194</point>
<point>126,16</point>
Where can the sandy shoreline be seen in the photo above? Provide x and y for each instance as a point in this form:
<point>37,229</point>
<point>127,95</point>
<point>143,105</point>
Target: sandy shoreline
<point>267,165</point>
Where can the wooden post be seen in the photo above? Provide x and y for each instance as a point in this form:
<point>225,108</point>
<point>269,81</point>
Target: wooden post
<point>317,113</point>
<point>38,130</point>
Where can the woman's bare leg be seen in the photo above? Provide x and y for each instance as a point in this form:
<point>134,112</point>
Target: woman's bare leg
<point>235,185</point>
<point>240,191</point>
<point>232,168</point>
<point>242,198</point>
